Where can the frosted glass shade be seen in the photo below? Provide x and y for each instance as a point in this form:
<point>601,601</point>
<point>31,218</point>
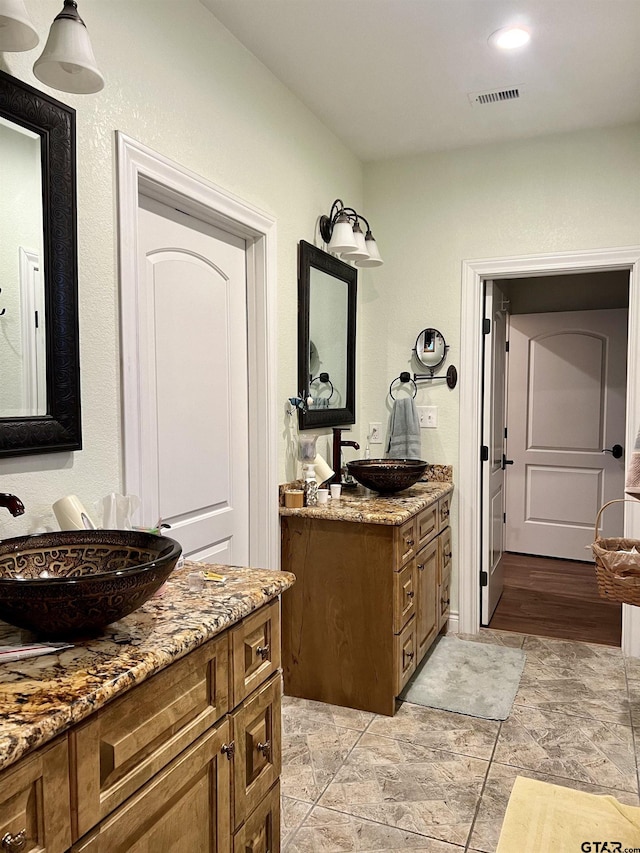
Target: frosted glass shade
<point>360,252</point>
<point>342,237</point>
<point>67,62</point>
<point>374,259</point>
<point>16,30</point>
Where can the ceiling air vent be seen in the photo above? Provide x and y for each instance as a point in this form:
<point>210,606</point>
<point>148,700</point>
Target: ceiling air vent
<point>494,96</point>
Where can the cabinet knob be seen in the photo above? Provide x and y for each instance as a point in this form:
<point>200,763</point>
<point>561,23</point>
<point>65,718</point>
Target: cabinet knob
<point>421,567</point>
<point>410,594</point>
<point>264,748</point>
<point>410,543</point>
<point>14,843</point>
<point>229,749</point>
<point>447,554</point>
<point>409,655</point>
<point>263,651</point>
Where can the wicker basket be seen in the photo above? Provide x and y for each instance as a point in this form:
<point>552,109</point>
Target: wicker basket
<point>618,578</point>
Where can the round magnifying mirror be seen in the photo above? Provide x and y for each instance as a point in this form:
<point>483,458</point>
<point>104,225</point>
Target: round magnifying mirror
<point>431,348</point>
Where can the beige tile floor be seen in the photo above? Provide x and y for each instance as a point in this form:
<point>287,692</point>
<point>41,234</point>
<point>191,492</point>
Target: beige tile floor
<point>428,780</point>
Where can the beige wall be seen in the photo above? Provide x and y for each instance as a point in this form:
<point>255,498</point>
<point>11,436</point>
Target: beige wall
<point>181,84</point>
<point>558,193</point>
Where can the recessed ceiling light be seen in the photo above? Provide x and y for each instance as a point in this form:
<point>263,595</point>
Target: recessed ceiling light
<point>509,37</point>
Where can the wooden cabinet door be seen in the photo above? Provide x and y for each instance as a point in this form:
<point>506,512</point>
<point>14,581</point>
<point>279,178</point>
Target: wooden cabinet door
<point>184,808</point>
<point>257,739</point>
<point>260,833</point>
<point>427,566</point>
<point>35,803</point>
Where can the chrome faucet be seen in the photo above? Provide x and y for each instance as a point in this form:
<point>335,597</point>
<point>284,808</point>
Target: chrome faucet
<point>338,444</point>
<point>12,503</point>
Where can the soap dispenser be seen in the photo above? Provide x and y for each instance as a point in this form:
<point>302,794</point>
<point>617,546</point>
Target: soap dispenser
<point>310,486</point>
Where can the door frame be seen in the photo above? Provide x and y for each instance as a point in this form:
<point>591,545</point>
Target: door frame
<point>140,169</point>
<point>474,272</point>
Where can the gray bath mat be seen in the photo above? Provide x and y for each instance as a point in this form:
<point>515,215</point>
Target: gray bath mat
<point>477,679</point>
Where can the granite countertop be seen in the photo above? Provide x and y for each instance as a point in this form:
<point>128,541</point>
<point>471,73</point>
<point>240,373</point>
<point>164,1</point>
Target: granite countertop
<point>41,697</point>
<point>367,507</point>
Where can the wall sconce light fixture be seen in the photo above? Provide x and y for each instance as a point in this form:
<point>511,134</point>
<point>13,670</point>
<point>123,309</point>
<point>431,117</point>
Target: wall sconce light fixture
<point>343,235</point>
<point>67,62</point>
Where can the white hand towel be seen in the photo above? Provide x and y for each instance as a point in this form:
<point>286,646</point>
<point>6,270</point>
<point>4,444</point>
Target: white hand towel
<point>632,484</point>
<point>404,431</point>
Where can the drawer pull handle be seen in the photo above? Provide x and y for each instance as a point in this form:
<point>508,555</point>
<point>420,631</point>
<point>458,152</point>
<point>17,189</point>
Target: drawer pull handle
<point>410,594</point>
<point>263,651</point>
<point>264,748</point>
<point>14,843</point>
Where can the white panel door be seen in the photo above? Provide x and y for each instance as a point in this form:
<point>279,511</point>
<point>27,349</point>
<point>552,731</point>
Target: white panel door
<point>566,403</point>
<point>193,366</point>
<point>494,420</point>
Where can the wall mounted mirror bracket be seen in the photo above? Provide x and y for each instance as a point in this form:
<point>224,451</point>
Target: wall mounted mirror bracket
<point>431,351</point>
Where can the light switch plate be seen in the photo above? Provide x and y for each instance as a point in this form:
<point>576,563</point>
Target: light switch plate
<point>428,416</point>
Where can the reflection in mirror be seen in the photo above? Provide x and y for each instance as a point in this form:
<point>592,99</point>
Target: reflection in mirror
<point>39,347</point>
<point>431,348</point>
<point>326,338</point>
<point>328,307</point>
<point>23,391</point>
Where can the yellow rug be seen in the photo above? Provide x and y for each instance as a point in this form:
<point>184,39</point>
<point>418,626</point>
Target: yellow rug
<point>544,818</point>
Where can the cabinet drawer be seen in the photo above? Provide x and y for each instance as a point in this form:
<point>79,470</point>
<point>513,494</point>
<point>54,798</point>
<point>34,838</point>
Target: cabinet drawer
<point>185,807</point>
<point>257,739</point>
<point>404,543</point>
<point>445,598</point>
<point>444,505</point>
<point>255,650</point>
<point>35,802</point>
<point>444,556</point>
<point>404,596</point>
<point>126,743</point>
<point>260,833</point>
<point>405,655</point>
<point>427,525</point>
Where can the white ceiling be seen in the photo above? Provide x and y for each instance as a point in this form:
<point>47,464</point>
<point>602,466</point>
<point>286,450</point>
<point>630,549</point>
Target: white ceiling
<point>391,77</point>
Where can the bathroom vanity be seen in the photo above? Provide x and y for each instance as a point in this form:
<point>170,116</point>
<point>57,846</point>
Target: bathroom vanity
<point>163,734</point>
<point>372,593</point>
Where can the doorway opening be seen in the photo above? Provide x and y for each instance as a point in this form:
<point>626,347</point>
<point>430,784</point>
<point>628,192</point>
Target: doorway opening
<point>554,397</point>
<point>474,275</point>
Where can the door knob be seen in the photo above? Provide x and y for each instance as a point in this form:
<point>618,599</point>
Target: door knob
<point>616,451</point>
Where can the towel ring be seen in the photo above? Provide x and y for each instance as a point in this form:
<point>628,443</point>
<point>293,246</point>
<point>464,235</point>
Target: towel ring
<point>404,378</point>
<point>323,377</point>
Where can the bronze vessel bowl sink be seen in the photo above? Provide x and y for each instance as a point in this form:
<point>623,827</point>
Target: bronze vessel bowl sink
<point>73,583</point>
<point>387,475</point>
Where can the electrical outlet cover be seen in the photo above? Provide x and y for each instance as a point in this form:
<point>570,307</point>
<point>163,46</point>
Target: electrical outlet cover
<point>375,433</point>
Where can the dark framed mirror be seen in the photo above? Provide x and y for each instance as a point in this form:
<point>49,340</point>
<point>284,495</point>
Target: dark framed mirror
<point>327,290</point>
<point>39,347</point>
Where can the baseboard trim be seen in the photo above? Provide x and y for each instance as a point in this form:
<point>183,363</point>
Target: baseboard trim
<point>452,624</point>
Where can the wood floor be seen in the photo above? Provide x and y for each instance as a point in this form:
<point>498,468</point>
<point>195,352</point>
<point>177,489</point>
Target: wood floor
<point>555,598</point>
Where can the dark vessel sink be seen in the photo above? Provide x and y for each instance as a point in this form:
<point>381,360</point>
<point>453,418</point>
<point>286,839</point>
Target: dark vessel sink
<point>387,475</point>
<point>73,583</point>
